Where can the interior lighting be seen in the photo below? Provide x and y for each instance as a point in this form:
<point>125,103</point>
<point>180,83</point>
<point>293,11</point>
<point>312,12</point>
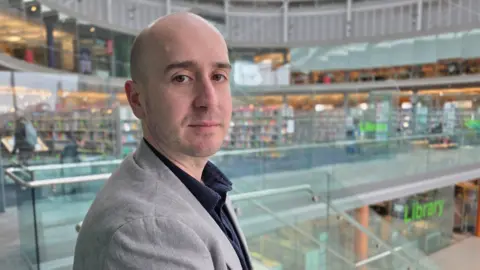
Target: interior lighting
<point>406,105</point>
<point>92,29</point>
<point>33,8</point>
<point>319,107</point>
<point>13,38</point>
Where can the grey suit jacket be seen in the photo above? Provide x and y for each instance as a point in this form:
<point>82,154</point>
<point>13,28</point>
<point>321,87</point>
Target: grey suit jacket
<point>145,218</point>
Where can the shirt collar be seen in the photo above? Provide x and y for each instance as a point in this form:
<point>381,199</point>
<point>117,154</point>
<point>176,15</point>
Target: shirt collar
<point>211,193</point>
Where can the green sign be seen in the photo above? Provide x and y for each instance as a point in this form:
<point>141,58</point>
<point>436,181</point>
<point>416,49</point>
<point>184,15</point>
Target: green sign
<point>420,211</point>
<point>373,127</point>
<point>472,124</point>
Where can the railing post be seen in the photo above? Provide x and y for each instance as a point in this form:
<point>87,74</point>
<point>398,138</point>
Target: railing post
<point>109,11</point>
<point>226,16</point>
<point>348,23</point>
<point>2,186</point>
<point>419,16</point>
<point>285,21</point>
<point>168,7</point>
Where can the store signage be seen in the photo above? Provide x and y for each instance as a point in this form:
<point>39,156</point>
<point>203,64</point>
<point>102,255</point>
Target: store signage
<point>420,211</point>
<point>472,124</point>
<point>373,127</point>
<point>254,74</point>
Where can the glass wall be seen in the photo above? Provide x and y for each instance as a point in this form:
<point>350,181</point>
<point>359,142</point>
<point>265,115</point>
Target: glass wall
<point>323,156</point>
<point>313,143</point>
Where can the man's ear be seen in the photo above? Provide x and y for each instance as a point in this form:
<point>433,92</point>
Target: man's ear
<point>133,92</point>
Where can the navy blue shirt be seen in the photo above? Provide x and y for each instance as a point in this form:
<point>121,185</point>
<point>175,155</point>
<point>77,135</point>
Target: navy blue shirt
<point>211,195</point>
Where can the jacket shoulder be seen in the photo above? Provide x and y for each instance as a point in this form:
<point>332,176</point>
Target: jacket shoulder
<point>129,197</point>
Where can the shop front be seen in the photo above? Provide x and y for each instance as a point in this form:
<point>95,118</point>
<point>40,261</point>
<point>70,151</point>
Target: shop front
<point>466,207</point>
<point>426,219</point>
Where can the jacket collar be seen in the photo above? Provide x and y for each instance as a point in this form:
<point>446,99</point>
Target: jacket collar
<point>148,161</point>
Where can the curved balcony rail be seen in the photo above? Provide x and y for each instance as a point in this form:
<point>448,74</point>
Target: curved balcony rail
<point>288,25</point>
<point>448,59</point>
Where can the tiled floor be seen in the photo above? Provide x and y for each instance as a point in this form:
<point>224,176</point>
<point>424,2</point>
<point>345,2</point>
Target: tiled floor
<point>463,255</point>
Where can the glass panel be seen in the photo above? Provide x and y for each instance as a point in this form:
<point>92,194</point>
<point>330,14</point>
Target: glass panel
<point>73,125</point>
<point>60,106</point>
<point>371,240</point>
<point>279,243</point>
<point>122,44</point>
<point>59,209</point>
<point>27,220</point>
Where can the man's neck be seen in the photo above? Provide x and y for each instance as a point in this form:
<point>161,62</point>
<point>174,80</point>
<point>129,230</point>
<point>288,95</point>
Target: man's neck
<point>192,165</point>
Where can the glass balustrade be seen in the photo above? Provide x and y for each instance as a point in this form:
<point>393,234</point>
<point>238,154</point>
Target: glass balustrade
<point>298,206</point>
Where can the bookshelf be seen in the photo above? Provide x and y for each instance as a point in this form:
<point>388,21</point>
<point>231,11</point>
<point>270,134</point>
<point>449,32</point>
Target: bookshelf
<point>130,130</point>
<point>95,127</point>
<point>320,126</point>
<point>260,126</point>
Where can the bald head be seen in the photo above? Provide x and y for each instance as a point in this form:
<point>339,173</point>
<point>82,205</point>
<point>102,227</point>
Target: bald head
<point>181,87</point>
<point>156,40</point>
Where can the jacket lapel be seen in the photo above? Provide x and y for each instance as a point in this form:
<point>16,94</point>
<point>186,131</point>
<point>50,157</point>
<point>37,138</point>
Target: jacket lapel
<point>149,161</point>
<point>233,218</point>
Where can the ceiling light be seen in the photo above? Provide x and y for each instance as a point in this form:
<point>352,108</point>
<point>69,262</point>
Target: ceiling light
<point>33,8</point>
<point>13,38</point>
<point>92,29</point>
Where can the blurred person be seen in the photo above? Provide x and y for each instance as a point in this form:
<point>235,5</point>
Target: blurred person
<point>70,153</point>
<point>166,207</point>
<point>25,139</point>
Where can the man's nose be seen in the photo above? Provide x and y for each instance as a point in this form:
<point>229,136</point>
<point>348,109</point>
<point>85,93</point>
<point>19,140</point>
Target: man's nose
<point>206,93</point>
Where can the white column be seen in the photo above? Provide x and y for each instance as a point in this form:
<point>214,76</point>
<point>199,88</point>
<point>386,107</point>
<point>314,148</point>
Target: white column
<point>227,20</point>
<point>419,15</point>
<point>285,21</point>
<point>109,11</point>
<point>168,7</point>
<point>348,24</point>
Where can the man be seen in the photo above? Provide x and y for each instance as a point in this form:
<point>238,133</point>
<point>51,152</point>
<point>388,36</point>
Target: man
<point>166,207</point>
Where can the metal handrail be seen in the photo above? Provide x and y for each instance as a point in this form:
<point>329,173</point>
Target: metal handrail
<point>57,181</point>
<point>17,179</point>
<point>376,257</point>
<point>238,152</point>
<point>18,167</point>
<point>273,192</point>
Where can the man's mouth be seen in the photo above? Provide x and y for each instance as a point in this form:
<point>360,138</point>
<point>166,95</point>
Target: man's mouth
<point>205,124</point>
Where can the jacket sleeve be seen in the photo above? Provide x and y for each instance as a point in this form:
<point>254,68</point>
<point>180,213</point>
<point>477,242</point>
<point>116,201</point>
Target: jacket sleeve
<point>154,243</point>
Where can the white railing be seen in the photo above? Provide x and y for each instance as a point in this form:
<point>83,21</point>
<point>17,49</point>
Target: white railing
<point>288,26</point>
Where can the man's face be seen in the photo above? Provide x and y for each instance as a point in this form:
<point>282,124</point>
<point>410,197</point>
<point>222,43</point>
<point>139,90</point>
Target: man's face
<point>188,102</point>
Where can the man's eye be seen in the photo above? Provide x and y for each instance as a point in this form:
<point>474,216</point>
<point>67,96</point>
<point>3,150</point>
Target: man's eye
<point>181,79</point>
<point>219,77</point>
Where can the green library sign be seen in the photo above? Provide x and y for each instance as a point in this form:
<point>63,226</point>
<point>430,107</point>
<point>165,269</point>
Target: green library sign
<point>420,211</point>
